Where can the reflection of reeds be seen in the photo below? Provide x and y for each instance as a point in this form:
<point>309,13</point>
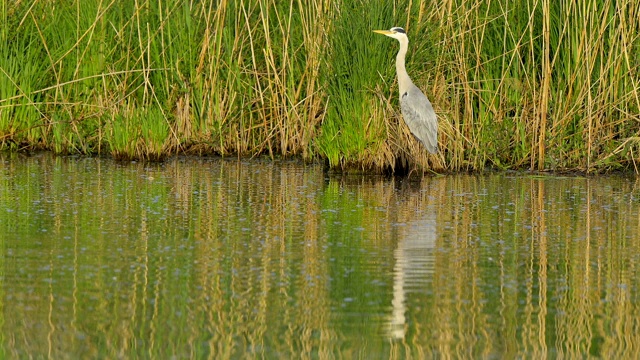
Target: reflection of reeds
<point>539,84</point>
<point>223,259</point>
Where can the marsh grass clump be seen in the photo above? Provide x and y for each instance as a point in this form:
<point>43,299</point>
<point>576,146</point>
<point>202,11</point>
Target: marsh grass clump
<point>532,84</point>
<point>139,134</point>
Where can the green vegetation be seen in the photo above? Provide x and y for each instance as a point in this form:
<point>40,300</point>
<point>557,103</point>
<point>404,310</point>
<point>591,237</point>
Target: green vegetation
<point>525,84</point>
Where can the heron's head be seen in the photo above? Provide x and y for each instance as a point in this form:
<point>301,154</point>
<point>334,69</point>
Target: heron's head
<point>395,32</point>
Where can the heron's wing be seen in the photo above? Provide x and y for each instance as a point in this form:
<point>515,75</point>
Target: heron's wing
<point>420,117</point>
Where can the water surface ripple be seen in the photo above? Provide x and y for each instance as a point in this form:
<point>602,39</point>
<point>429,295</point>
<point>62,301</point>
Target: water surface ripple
<point>227,258</point>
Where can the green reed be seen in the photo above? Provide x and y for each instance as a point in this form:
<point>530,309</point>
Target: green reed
<point>526,84</point>
<point>19,69</point>
<point>544,84</point>
<point>351,70</point>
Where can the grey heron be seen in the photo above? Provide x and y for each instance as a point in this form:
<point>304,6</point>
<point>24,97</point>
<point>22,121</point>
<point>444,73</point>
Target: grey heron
<point>416,109</point>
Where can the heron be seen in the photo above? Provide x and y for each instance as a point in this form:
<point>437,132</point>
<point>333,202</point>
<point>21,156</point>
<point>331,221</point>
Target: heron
<point>416,109</point>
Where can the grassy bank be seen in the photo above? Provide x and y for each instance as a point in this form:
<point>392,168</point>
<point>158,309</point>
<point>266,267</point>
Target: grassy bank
<point>526,84</point>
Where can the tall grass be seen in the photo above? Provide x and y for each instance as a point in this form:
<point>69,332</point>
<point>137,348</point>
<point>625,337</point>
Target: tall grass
<point>542,84</point>
<point>526,84</point>
<point>353,131</point>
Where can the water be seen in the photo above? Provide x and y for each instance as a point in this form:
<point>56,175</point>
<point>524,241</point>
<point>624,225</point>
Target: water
<point>211,258</point>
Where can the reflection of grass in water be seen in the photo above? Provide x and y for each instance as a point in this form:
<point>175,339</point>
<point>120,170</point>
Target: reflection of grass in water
<point>553,274</point>
<point>521,265</point>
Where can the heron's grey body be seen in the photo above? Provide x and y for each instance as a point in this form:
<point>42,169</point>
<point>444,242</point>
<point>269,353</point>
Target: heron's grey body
<point>416,109</point>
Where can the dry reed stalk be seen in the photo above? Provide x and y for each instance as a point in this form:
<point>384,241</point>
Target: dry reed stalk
<point>546,78</point>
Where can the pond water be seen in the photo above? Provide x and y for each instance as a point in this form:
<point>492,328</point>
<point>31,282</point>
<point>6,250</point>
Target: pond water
<point>227,258</point>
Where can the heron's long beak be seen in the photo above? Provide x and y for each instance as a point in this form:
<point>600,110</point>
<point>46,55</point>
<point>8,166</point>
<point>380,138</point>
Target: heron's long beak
<point>383,32</point>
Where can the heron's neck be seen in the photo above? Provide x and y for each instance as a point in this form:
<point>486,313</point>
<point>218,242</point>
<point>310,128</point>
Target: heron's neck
<point>403,77</point>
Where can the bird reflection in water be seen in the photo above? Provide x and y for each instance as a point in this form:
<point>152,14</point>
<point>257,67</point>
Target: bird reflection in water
<point>413,269</point>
